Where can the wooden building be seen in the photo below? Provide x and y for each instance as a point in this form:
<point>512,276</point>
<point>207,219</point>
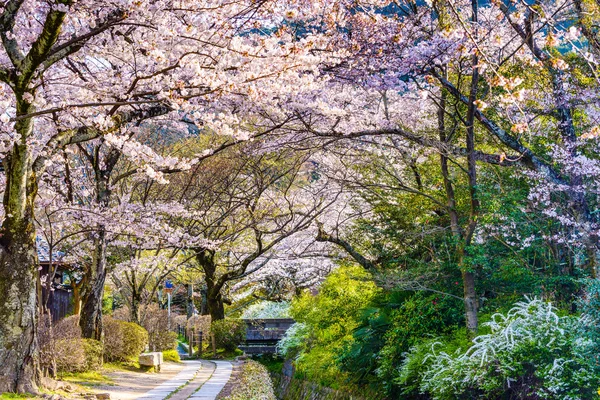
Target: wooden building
<point>59,301</point>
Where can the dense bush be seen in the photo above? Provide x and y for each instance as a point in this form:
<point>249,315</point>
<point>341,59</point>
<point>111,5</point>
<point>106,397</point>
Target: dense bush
<point>292,344</point>
<point>156,322</point>
<point>254,383</point>
<point>325,323</point>
<point>228,333</point>
<point>531,353</point>
<point>390,325</point>
<point>123,341</point>
<point>171,355</point>
<point>93,351</point>
<point>63,350</point>
<point>70,355</point>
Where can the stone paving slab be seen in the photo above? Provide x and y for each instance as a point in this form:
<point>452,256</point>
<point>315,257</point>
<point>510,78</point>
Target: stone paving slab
<point>163,390</point>
<point>216,383</point>
<point>201,377</point>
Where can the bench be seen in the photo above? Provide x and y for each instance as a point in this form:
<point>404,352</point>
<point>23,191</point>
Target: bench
<point>152,359</point>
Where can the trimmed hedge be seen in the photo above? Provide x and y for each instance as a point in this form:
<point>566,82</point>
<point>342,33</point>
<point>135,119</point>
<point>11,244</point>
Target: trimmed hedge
<point>70,355</point>
<point>93,354</point>
<point>171,355</point>
<point>123,341</point>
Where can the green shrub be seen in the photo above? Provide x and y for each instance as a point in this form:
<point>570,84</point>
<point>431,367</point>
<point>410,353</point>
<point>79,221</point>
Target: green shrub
<point>123,341</point>
<point>228,333</point>
<point>171,355</point>
<point>93,354</point>
<point>531,352</point>
<point>328,322</point>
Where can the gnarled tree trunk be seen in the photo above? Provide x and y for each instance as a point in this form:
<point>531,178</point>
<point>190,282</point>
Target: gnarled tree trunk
<point>19,363</point>
<point>90,320</point>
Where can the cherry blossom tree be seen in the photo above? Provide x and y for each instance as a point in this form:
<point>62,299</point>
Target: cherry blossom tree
<point>72,72</point>
<point>249,202</point>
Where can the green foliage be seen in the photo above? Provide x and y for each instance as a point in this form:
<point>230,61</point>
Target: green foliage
<point>589,304</point>
<point>123,341</point>
<point>107,301</point>
<point>326,322</point>
<point>254,383</point>
<point>531,352</point>
<point>228,333</point>
<point>171,355</point>
<point>93,351</point>
<point>292,344</point>
<point>390,326</point>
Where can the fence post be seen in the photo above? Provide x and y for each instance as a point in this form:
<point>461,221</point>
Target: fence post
<point>214,344</point>
<point>200,344</point>
<point>191,343</point>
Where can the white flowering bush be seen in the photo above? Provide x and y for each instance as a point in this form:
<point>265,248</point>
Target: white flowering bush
<point>268,309</point>
<point>294,340</point>
<point>530,353</point>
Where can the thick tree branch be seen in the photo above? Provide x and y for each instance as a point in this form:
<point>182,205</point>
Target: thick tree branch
<point>323,236</point>
<point>527,156</point>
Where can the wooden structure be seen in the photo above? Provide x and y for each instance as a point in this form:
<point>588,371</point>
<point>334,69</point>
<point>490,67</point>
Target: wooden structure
<point>60,299</point>
<point>262,335</point>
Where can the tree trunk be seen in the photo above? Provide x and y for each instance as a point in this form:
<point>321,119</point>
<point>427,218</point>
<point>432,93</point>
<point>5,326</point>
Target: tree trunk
<point>76,298</point>
<point>471,301</point>
<point>203,302</point>
<point>93,288</point>
<point>91,313</point>
<point>215,305</point>
<point>190,300</point>
<point>214,300</point>
<point>19,356</point>
<point>134,312</point>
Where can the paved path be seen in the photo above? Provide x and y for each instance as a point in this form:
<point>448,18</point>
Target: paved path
<point>201,377</point>
<point>209,376</point>
<point>168,387</point>
<point>216,383</point>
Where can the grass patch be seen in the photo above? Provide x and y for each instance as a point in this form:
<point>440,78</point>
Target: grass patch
<point>171,355</point>
<point>16,396</point>
<point>90,378</point>
<point>273,363</point>
<point>223,354</point>
<point>132,366</point>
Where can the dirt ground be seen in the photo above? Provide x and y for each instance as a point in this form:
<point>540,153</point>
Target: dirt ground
<point>131,385</point>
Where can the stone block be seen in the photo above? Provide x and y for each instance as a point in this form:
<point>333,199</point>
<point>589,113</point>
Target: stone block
<point>153,359</point>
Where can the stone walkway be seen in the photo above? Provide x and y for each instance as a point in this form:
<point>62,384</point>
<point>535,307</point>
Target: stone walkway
<point>209,376</point>
<point>201,377</point>
<point>168,387</point>
<point>216,383</point>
